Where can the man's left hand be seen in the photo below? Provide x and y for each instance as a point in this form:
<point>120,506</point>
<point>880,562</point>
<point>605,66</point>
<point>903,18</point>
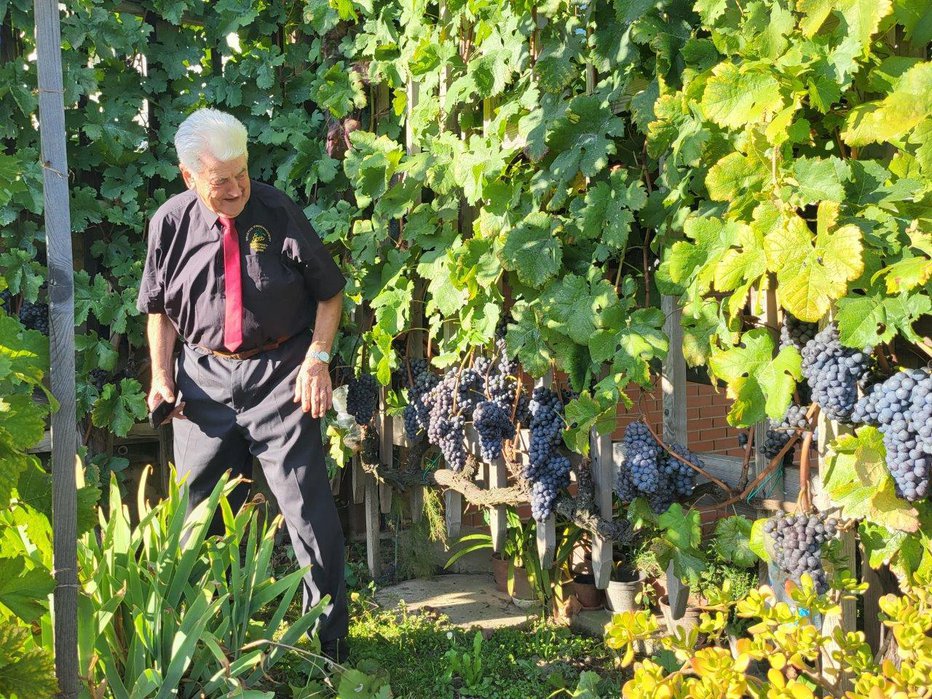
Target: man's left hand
<point>313,389</point>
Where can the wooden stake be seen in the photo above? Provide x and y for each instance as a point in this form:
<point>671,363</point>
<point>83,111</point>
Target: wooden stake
<point>54,161</point>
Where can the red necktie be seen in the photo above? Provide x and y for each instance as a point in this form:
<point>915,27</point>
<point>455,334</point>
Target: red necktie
<point>233,287</point>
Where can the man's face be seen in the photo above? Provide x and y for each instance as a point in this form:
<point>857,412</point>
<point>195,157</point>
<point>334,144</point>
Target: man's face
<point>223,186</point>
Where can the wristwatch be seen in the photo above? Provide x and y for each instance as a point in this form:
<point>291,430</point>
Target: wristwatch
<point>322,356</point>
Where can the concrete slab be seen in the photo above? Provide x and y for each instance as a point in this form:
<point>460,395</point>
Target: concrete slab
<point>591,623</point>
<point>469,600</point>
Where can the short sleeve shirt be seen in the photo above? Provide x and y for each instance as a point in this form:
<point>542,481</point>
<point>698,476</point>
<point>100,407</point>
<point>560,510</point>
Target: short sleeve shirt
<point>285,269</point>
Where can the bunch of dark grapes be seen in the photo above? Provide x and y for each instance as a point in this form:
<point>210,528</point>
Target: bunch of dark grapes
<point>832,372</point>
<point>678,478</point>
<point>416,413</point>
<point>548,471</point>
<point>98,378</point>
<point>35,316</point>
<point>445,428</point>
<point>796,333</point>
<point>6,301</point>
<point>901,407</point>
<point>797,545</point>
<point>641,458</point>
<point>362,398</point>
<point>493,423</point>
<point>471,389</point>
<point>502,383</point>
<point>649,471</point>
<point>779,433</point>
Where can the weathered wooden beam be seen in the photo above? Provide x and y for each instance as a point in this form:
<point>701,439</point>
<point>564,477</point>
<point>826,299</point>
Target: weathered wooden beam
<point>54,161</point>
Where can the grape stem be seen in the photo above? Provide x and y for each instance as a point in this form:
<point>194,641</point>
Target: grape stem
<point>746,465</point>
<point>679,458</point>
<point>804,501</point>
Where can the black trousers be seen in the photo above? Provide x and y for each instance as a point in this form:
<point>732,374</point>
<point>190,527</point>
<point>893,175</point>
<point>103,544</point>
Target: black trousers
<point>238,409</point>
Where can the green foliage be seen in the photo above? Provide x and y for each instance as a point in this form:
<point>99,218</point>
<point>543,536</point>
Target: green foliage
<point>785,646</point>
<point>167,609</point>
<point>772,182</point>
<point>25,671</point>
<point>26,664</point>
<point>538,660</point>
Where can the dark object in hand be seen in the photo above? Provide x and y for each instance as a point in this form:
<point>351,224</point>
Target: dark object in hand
<point>162,410</point>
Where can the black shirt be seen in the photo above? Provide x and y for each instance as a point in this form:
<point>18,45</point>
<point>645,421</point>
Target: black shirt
<point>285,269</point>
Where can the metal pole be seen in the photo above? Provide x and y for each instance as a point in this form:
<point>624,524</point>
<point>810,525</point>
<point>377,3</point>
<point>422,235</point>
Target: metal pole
<point>61,310</point>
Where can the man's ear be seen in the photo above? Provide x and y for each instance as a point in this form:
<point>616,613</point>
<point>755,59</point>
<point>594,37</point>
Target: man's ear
<point>187,175</point>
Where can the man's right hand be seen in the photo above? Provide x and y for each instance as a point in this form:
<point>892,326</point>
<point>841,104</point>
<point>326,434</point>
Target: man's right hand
<point>163,389</point>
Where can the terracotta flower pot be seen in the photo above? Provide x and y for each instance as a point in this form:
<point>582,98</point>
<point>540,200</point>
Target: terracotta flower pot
<point>522,588</point>
<point>500,572</point>
<point>589,596</point>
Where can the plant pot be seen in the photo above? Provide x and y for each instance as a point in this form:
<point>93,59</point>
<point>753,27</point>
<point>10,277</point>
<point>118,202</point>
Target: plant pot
<point>500,572</point>
<point>589,596</point>
<point>522,588</point>
<point>689,620</point>
<point>621,595</point>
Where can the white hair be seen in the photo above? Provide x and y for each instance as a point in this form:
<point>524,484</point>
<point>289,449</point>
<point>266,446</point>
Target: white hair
<point>209,131</point>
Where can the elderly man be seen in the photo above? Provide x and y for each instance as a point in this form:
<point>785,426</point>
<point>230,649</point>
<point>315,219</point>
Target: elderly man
<point>235,270</point>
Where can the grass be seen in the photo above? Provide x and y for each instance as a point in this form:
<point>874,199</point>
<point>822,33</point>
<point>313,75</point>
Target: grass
<point>422,654</point>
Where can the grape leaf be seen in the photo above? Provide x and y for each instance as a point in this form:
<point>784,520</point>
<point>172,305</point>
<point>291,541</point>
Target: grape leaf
<point>862,18</point>
<point>811,277</point>
<point>760,384</point>
<point>23,591</point>
<point>880,543</point>
<point>607,211</point>
<point>22,421</point>
<point>819,178</point>
<point>26,670</point>
<point>575,306</point>
<point>533,250</point>
<point>524,339</point>
<point>735,176</point>
<point>892,117</point>
<point>734,98</point>
<point>733,541</point>
<point>584,414</point>
<point>710,10</point>
<point>866,321</point>
<point>26,352</point>
<point>857,479</point>
<point>119,409</point>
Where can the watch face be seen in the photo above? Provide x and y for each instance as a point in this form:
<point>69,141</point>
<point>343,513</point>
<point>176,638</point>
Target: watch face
<point>323,356</point>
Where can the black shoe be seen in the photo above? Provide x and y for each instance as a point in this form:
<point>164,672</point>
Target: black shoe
<point>335,650</point>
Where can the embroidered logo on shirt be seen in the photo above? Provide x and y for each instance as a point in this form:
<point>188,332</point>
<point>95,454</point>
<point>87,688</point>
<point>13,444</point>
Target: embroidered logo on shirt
<point>258,238</point>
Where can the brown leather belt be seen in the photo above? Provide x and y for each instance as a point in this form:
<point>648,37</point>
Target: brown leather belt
<point>246,354</point>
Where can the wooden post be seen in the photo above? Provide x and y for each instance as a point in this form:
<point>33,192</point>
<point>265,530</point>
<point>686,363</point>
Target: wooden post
<point>873,630</point>
<point>603,468</point>
<point>846,618</point>
<point>768,315</point>
<point>498,516</point>
<point>373,524</point>
<point>386,454</point>
<point>673,386</point>
<point>61,308</point>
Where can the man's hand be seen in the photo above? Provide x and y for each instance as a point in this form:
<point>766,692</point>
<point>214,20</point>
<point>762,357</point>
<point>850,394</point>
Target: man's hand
<point>163,389</point>
<point>313,389</point>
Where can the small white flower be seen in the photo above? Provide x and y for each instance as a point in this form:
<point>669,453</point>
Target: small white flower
<point>449,635</point>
